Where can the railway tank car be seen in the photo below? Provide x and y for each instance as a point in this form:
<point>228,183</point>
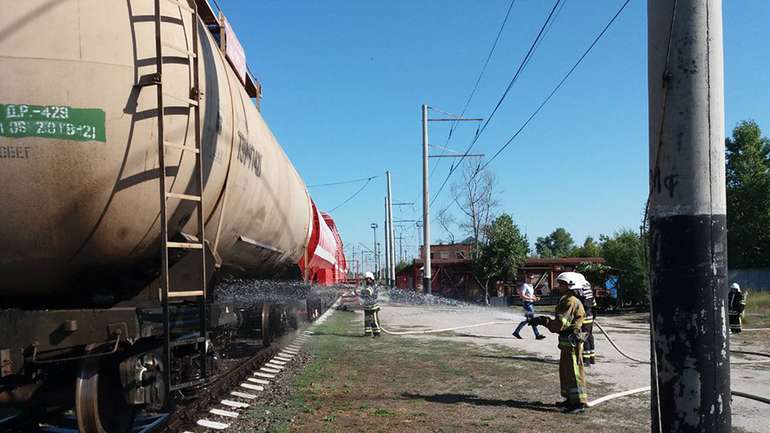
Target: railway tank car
<point>83,257</point>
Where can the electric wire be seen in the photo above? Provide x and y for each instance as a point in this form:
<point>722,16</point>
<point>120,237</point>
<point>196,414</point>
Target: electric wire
<point>521,67</point>
<point>344,182</point>
<point>351,197</point>
<point>453,126</point>
<point>558,86</point>
<point>481,73</point>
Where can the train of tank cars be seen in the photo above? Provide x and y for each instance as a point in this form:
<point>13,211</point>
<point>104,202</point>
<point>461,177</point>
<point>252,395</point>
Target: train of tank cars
<point>135,166</point>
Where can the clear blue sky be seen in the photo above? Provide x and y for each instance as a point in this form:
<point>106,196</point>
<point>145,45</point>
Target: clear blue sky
<point>344,80</point>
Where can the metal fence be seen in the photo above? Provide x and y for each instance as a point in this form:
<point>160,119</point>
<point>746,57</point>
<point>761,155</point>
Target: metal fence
<point>757,280</point>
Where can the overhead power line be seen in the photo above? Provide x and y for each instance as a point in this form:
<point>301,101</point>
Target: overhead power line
<point>476,84</point>
<point>344,182</point>
<point>524,62</point>
<point>352,196</point>
<point>558,86</point>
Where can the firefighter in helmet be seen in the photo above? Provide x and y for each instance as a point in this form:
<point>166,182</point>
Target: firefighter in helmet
<point>736,303</point>
<point>368,297</point>
<point>568,323</point>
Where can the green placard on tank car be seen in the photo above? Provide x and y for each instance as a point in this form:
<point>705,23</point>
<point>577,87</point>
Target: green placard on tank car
<point>52,121</point>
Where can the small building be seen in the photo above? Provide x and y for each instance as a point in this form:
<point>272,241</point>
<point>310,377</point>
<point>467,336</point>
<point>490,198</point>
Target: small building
<point>545,270</point>
<point>452,274</point>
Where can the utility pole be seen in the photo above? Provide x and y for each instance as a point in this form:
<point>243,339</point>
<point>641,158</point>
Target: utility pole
<point>374,247</point>
<point>392,269</point>
<point>417,227</point>
<point>687,217</point>
<point>386,271</point>
<point>426,276</point>
<point>425,190</point>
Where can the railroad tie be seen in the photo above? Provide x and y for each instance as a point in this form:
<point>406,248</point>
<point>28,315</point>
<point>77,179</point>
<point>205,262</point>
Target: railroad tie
<point>265,375</point>
<point>212,424</point>
<point>243,395</point>
<point>269,370</point>
<point>235,404</point>
<point>252,387</point>
<point>258,381</point>
<point>225,413</point>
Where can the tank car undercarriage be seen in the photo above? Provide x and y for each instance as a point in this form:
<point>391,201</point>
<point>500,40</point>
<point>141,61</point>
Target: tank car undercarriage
<point>105,366</point>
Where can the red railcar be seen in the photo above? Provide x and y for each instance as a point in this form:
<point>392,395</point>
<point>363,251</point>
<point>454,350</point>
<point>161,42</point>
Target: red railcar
<point>325,253</point>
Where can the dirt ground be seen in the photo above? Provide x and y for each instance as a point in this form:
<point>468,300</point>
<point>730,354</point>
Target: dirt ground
<point>473,380</point>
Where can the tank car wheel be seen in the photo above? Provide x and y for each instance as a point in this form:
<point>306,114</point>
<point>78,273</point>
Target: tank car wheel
<point>267,329</point>
<point>100,402</point>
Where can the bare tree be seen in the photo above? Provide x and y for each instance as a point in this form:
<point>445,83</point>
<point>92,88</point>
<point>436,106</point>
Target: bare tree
<point>446,220</point>
<point>475,196</point>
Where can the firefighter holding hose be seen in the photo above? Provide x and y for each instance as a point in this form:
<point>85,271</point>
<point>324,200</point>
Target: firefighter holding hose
<point>568,322</point>
<point>368,297</point>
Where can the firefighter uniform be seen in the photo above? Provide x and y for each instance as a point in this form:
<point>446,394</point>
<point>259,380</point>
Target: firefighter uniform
<point>736,303</point>
<point>368,297</point>
<point>589,302</point>
<point>570,315</point>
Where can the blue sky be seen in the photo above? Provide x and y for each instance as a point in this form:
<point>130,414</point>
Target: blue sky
<point>344,80</point>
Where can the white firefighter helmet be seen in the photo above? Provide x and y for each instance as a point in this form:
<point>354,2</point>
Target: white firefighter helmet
<point>574,280</point>
<point>369,276</point>
<point>735,286</point>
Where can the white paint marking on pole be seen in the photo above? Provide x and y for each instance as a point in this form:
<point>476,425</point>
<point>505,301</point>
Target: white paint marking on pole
<point>252,387</point>
<point>259,381</point>
<point>225,413</point>
<point>243,395</point>
<point>269,370</point>
<point>273,361</point>
<point>212,424</point>
<point>236,404</point>
<point>265,375</point>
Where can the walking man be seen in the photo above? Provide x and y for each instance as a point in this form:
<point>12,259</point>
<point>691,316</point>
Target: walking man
<point>528,299</point>
<point>736,303</point>
<point>368,297</point>
<point>567,323</point>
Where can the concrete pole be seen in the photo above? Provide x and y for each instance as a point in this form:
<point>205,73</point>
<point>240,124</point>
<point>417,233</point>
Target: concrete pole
<point>425,203</point>
<point>386,272</point>
<point>687,216</point>
<point>390,227</point>
<point>374,248</point>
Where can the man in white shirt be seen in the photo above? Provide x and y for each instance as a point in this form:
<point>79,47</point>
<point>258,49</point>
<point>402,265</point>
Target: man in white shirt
<point>528,299</point>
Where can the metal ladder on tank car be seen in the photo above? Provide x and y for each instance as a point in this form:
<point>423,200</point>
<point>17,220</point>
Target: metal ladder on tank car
<point>192,103</point>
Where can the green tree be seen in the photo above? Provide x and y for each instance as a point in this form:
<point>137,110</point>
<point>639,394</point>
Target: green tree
<point>558,244</point>
<point>625,251</point>
<point>589,249</point>
<point>505,250</point>
<point>748,196</point>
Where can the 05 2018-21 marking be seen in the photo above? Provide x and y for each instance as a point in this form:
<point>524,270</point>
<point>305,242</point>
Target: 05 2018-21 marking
<point>52,121</point>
